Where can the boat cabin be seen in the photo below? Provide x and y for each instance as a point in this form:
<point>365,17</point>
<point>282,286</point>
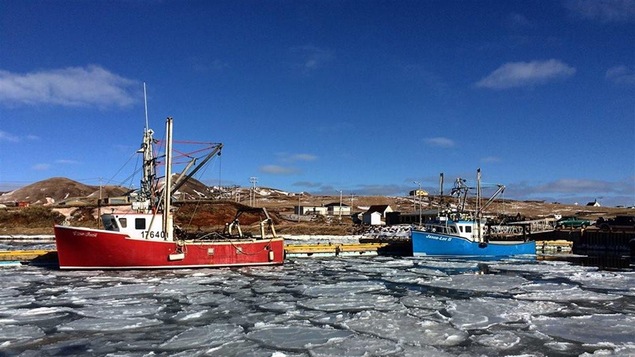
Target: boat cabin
<point>135,225</point>
<point>466,229</point>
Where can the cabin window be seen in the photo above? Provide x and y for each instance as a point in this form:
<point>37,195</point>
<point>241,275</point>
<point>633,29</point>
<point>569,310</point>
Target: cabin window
<point>123,222</point>
<point>461,229</point>
<point>468,229</point>
<point>110,224</point>
<point>140,223</point>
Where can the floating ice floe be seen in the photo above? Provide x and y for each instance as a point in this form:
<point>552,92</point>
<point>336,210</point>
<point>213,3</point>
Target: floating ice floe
<point>352,303</point>
<point>422,302</point>
<point>120,290</point>
<point>575,294</point>
<point>13,302</point>
<point>406,329</point>
<point>500,341</point>
<point>487,283</point>
<point>358,346</point>
<point>297,338</point>
<point>108,325</point>
<point>241,348</point>
<point>11,334</point>
<point>590,329</point>
<point>622,283</point>
<point>211,335</point>
<point>343,288</point>
<point>141,308</point>
<point>483,313</point>
<point>37,314</point>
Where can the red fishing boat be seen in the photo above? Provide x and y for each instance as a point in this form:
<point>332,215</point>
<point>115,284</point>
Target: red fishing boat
<point>145,236</point>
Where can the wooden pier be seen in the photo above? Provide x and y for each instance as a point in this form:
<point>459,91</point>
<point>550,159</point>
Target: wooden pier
<point>38,257</point>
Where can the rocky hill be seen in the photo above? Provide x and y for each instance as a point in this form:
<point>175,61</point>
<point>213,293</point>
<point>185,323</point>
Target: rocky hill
<point>63,191</point>
<point>59,190</point>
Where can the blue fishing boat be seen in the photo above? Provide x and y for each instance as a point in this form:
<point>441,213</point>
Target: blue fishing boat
<point>460,233</point>
<point>440,238</point>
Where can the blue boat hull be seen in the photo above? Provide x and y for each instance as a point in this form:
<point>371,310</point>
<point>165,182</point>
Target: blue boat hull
<point>435,244</point>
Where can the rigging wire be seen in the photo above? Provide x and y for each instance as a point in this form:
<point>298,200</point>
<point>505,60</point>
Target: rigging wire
<point>198,202</point>
<point>130,177</point>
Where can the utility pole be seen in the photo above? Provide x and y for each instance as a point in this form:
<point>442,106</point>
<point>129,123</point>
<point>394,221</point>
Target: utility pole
<point>418,193</point>
<point>340,205</point>
<point>99,202</point>
<point>252,195</point>
<point>299,205</point>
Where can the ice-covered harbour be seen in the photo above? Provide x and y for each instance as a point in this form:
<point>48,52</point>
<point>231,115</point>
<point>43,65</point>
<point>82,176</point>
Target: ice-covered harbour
<point>362,306</point>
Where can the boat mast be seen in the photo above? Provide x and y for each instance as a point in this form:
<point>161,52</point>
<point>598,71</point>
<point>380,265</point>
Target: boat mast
<point>441,200</point>
<point>479,212</point>
<point>149,161</point>
<point>167,192</point>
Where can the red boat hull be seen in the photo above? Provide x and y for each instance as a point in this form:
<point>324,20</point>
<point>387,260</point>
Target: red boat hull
<point>81,248</point>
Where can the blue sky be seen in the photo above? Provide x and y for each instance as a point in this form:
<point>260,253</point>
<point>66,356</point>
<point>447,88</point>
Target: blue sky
<point>365,97</point>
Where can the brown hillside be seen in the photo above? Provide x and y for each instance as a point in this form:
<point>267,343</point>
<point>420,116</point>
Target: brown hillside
<point>67,196</point>
<point>57,190</point>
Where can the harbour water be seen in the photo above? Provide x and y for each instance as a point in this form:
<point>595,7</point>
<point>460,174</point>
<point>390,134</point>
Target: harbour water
<point>337,306</point>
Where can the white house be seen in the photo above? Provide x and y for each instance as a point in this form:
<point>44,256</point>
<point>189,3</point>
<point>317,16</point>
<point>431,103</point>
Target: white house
<point>334,209</point>
<point>376,215</point>
<point>304,210</point>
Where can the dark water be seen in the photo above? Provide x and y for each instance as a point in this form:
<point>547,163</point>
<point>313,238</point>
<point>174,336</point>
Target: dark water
<point>361,306</point>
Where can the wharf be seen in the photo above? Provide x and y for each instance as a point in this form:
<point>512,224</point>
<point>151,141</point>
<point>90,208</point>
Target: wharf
<point>43,257</point>
<point>40,257</point>
<point>344,249</point>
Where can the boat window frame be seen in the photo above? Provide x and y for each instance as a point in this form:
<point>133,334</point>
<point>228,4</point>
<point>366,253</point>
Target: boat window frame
<point>140,223</point>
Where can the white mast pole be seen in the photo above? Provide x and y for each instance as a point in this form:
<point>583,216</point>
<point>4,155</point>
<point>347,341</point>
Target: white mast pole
<point>479,213</point>
<point>167,215</point>
<point>145,104</point>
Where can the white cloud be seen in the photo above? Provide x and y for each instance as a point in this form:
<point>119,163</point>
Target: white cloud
<point>491,159</point>
<point>205,66</point>
<point>621,75</point>
<point>575,186</point>
<point>41,167</point>
<point>72,86</point>
<point>515,20</point>
<point>286,157</point>
<point>66,162</point>
<point>522,74</point>
<point>303,157</point>
<point>440,142</point>
<point>4,136</point>
<point>603,10</point>
<point>278,170</point>
<point>311,57</point>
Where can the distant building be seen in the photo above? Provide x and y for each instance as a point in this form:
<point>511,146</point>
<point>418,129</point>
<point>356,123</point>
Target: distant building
<point>594,204</point>
<point>335,209</point>
<point>418,193</point>
<point>304,210</point>
<point>376,215</point>
<point>411,217</point>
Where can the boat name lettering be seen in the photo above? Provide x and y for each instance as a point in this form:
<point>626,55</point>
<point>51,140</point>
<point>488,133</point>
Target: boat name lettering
<point>438,238</point>
<point>153,234</point>
<point>84,234</point>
